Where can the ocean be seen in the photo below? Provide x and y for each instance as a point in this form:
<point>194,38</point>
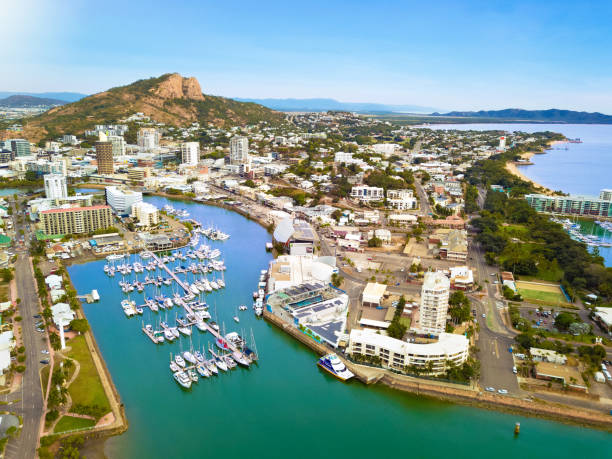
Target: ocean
<point>576,168</point>
<point>285,406</point>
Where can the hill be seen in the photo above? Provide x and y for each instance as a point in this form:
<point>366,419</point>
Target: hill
<point>323,105</point>
<point>542,116</point>
<point>23,101</point>
<point>63,96</point>
<point>169,99</point>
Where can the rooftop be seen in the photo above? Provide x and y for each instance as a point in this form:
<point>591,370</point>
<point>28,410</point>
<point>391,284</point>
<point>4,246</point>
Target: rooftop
<point>74,209</point>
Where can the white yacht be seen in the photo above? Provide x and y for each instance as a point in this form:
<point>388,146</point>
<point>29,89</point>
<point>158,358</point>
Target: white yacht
<point>183,379</point>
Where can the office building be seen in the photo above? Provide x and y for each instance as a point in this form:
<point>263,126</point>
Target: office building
<point>573,204</point>
<point>55,186</point>
<point>148,139</point>
<point>190,153</point>
<point>76,220</point>
<point>239,150</point>
<point>20,147</point>
<point>104,156</point>
<point>118,143</point>
<point>434,303</point>
<point>146,214</point>
<point>121,200</point>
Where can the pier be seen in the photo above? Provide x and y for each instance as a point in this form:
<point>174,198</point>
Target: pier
<point>171,272</point>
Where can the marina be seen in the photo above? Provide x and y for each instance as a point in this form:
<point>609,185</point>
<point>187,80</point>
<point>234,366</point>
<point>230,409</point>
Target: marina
<point>298,397</point>
<point>189,285</point>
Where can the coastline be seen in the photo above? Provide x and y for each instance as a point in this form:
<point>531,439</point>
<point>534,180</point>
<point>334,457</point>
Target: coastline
<point>512,167</point>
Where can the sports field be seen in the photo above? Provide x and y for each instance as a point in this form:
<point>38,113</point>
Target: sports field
<point>549,293</point>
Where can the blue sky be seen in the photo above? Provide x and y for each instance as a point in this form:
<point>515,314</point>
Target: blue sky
<point>450,55</point>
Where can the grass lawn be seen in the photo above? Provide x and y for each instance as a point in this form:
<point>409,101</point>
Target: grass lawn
<point>4,292</point>
<point>550,297</point>
<point>44,378</point>
<point>516,231</point>
<point>405,321</point>
<point>87,388</point>
<point>67,423</point>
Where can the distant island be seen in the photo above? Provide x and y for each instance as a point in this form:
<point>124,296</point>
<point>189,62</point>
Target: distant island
<point>61,96</point>
<point>540,116</point>
<point>23,101</point>
<point>324,105</point>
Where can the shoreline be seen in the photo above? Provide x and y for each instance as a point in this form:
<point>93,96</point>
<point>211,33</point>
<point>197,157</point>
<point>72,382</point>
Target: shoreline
<point>453,393</point>
<point>512,167</point>
<point>563,413</point>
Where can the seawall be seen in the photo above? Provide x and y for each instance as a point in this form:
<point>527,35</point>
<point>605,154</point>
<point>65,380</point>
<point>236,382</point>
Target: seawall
<point>453,392</point>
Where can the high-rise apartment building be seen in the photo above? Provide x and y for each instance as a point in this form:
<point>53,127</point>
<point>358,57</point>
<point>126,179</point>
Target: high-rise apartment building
<point>239,150</point>
<point>146,214</point>
<point>55,186</point>
<point>104,156</point>
<point>148,139</point>
<point>118,143</point>
<point>76,220</point>
<point>190,153</point>
<point>20,147</point>
<point>434,302</point>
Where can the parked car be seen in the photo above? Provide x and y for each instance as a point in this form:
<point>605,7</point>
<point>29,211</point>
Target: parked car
<point>45,362</point>
<point>514,370</point>
<point>490,389</point>
<point>502,391</point>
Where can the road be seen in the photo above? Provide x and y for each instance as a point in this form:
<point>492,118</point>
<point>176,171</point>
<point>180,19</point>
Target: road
<point>28,400</point>
<point>425,207</point>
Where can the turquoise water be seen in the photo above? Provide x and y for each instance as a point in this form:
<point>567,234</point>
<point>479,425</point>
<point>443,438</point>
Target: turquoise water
<point>575,168</point>
<point>286,406</point>
<point>11,191</point>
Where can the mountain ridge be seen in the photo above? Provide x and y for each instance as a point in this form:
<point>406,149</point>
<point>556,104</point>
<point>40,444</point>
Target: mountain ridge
<point>63,96</point>
<point>552,115</point>
<point>24,101</point>
<point>169,98</point>
<point>327,104</point>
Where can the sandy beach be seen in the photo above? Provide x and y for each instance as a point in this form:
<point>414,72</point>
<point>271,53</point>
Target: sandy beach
<point>511,167</point>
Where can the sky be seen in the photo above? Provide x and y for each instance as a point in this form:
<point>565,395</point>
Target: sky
<point>452,55</point>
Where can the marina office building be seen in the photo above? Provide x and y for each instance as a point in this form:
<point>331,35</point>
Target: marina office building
<point>574,204</point>
<point>76,220</point>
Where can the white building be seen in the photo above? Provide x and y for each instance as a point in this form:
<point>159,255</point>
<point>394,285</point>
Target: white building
<point>401,199</point>
<point>502,143</point>
<point>367,193</point>
<point>190,153</point>
<point>605,195</point>
<point>239,150</point>
<point>398,354</point>
<point>148,139</point>
<point>385,149</point>
<point>118,143</point>
<point>69,139</point>
<point>434,302</point>
<point>55,186</point>
<point>121,200</point>
<point>146,214</point>
<point>343,157</point>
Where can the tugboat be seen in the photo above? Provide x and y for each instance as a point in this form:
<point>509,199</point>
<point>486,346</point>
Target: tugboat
<point>332,364</point>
